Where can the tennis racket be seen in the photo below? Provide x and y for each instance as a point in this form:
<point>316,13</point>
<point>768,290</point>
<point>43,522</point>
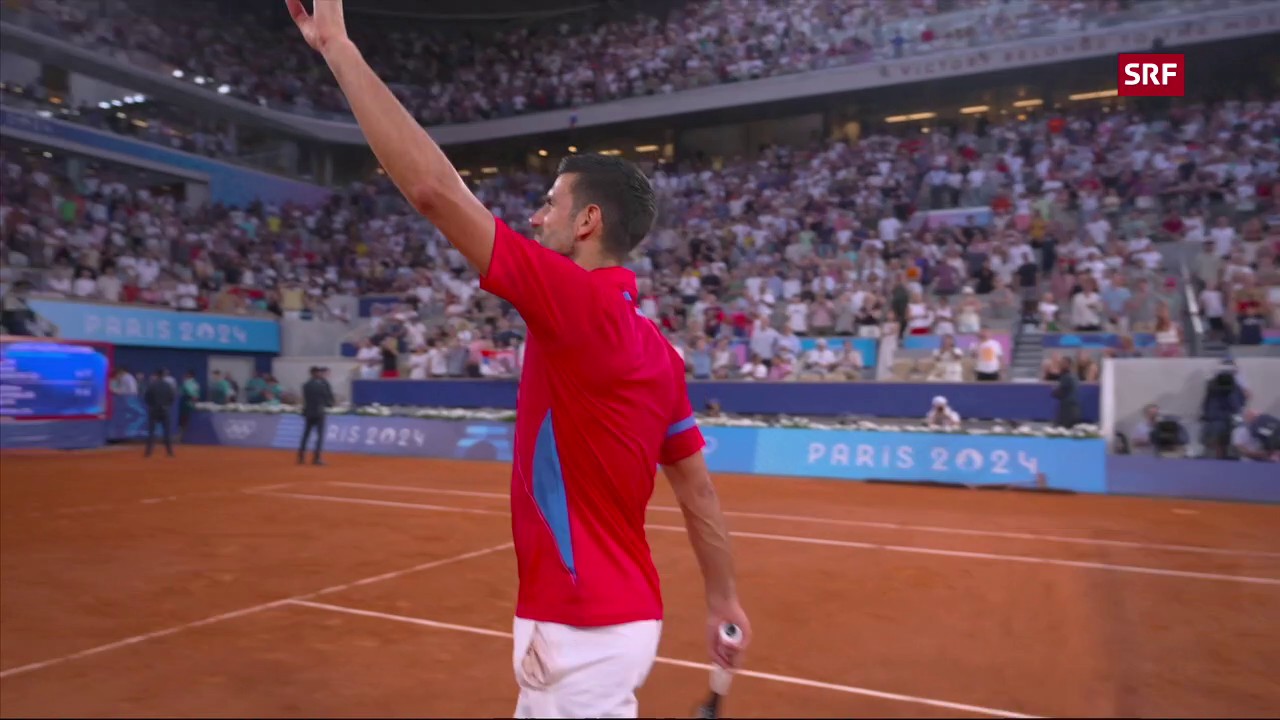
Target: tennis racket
<point>721,677</point>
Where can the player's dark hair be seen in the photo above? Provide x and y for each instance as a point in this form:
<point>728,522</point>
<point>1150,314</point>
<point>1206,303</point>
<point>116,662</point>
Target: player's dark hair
<point>623,193</point>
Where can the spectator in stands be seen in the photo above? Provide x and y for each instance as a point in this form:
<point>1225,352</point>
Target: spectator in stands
<point>1087,307</point>
<point>764,341</point>
<point>1047,313</point>
<point>369,357</point>
<point>850,364</point>
<point>1051,367</point>
<point>1068,414</point>
<point>948,362</point>
<point>1213,309</point>
<point>724,360</point>
<point>437,359</point>
<point>1168,334</point>
<point>989,357</point>
<point>419,363</point>
<point>1251,319</point>
<point>969,319</point>
<point>1257,437</point>
<point>755,368</point>
<point>389,353</point>
<point>699,362</point>
<point>941,415</point>
<point>784,365</point>
<point>819,362</point>
<point>1088,369</point>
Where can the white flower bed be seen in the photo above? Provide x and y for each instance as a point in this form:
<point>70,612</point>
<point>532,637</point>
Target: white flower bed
<point>1079,432</point>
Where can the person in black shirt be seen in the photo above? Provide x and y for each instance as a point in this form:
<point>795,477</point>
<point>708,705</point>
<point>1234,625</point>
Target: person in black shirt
<point>159,397</point>
<point>317,395</point>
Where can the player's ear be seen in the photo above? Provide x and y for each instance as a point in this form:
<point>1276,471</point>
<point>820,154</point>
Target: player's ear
<point>590,220</point>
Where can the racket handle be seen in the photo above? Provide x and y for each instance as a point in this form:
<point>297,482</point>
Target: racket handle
<point>730,635</point>
<point>721,678</point>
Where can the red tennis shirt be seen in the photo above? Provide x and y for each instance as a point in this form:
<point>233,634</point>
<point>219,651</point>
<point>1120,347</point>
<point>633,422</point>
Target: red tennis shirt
<point>602,402</point>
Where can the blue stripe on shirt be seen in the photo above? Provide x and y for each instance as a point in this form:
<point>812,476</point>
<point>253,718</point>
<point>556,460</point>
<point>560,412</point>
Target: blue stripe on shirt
<point>685,424</point>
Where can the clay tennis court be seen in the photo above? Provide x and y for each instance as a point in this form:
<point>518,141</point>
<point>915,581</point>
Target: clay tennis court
<point>234,583</point>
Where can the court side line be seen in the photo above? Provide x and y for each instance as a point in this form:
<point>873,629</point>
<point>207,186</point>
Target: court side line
<point>204,495</point>
<point>384,503</point>
<point>245,611</point>
<point>849,689</point>
<point>879,525</point>
<point>1030,559</point>
<point>993,556</point>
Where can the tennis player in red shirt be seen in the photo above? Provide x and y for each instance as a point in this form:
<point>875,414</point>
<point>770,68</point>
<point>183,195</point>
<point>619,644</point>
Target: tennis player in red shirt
<point>602,403</point>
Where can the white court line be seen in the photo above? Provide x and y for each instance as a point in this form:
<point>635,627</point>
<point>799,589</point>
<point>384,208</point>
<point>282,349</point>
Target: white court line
<point>203,495</point>
<point>877,525</point>
<point>849,689</point>
<point>245,611</point>
<point>993,556</point>
<point>1031,559</point>
<point>384,503</point>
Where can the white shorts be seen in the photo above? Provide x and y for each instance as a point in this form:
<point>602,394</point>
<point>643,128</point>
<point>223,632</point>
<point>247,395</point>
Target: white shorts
<point>582,672</point>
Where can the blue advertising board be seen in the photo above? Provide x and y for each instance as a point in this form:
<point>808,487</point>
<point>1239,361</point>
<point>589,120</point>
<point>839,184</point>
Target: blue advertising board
<point>1078,465</point>
<point>1095,340</point>
<point>147,327</point>
<point>397,436</point>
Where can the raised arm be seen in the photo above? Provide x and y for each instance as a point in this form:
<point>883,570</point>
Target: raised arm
<point>411,158</point>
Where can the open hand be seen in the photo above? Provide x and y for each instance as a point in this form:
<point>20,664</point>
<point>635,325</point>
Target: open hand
<point>322,26</point>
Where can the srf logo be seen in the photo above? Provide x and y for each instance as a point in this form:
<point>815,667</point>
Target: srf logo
<point>1152,75</point>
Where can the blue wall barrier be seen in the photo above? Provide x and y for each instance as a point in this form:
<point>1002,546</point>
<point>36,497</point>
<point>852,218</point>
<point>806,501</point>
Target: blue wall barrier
<point>1078,465</point>
<point>1202,479</point>
<point>228,184</point>
<point>53,434</point>
<point>1002,401</point>
<point>397,436</point>
<point>142,326</point>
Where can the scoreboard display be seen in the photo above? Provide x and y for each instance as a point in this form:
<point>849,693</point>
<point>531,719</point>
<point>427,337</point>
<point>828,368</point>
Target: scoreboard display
<point>52,380</point>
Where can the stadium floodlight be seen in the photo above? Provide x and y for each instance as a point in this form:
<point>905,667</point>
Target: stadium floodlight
<point>1099,95</point>
<point>178,74</point>
<point>974,109</point>
<point>224,89</point>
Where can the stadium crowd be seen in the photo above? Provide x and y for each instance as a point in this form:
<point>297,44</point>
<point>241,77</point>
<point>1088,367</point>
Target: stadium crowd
<point>1061,221</point>
<point>450,74</point>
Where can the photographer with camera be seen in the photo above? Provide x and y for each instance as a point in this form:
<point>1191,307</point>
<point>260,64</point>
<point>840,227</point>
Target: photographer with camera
<point>1257,437</point>
<point>1161,434</point>
<point>1224,399</point>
